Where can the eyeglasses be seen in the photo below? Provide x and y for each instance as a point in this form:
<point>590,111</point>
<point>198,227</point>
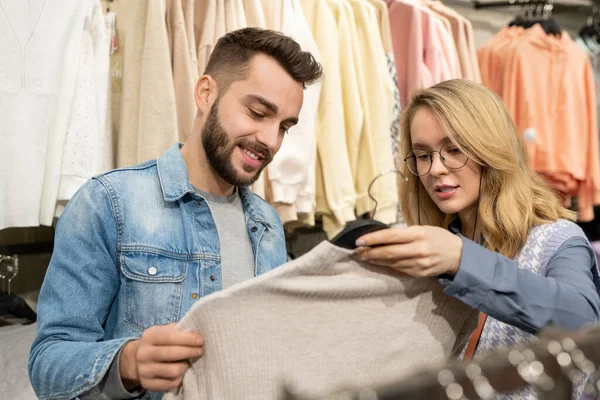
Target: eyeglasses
<point>419,161</point>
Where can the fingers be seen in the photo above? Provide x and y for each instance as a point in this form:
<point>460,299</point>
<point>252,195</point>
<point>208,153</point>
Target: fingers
<point>169,353</point>
<point>169,335</point>
<point>391,236</point>
<point>394,252</point>
<point>407,267</point>
<point>162,385</point>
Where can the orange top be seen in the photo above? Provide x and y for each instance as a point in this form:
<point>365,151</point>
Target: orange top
<point>548,88</point>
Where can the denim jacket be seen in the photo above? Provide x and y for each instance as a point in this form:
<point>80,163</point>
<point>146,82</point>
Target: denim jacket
<point>134,248</point>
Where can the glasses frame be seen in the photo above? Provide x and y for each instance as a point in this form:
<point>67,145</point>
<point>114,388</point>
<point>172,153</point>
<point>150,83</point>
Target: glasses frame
<point>411,154</point>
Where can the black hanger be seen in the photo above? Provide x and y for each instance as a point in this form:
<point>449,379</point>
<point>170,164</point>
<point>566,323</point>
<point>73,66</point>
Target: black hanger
<point>591,28</point>
<point>347,238</point>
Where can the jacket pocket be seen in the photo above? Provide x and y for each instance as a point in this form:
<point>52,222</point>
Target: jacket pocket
<point>153,285</point>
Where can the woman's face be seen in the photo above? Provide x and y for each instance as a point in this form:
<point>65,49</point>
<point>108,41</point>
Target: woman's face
<point>452,190</point>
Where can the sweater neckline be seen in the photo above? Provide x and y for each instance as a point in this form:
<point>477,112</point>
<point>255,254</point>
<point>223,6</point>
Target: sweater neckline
<point>35,30</point>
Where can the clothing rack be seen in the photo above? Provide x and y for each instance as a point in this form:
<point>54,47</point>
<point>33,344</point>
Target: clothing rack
<point>551,365</point>
<point>478,4</point>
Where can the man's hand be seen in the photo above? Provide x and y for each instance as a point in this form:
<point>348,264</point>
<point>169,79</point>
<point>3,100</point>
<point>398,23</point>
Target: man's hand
<point>159,359</point>
<point>419,251</point>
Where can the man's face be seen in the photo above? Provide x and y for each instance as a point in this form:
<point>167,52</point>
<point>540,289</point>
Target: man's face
<point>245,127</point>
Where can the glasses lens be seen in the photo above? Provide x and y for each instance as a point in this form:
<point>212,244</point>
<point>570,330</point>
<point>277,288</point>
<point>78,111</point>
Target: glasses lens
<point>418,162</point>
<point>453,157</point>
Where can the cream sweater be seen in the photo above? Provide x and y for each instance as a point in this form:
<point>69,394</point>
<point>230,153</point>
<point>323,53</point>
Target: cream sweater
<point>321,323</point>
<point>148,125</point>
<point>185,71</point>
<point>335,195</point>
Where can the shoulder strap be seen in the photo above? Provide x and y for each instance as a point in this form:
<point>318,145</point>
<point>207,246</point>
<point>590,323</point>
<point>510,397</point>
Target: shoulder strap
<point>474,341</point>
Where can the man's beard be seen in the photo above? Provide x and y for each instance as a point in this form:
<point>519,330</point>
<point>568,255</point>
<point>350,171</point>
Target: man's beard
<point>219,149</point>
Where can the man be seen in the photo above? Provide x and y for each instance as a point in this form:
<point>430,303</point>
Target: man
<point>136,247</point>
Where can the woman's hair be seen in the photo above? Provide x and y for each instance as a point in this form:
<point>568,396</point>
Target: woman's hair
<point>513,197</point>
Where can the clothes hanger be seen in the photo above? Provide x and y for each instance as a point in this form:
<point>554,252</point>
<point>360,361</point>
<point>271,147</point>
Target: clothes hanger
<point>347,237</point>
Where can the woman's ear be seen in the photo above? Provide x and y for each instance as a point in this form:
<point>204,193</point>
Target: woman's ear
<point>205,93</point>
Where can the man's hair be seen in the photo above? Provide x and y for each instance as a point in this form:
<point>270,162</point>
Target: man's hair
<point>233,52</point>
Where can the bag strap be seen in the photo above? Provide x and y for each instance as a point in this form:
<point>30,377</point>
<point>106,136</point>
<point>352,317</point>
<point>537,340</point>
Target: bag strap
<point>474,341</point>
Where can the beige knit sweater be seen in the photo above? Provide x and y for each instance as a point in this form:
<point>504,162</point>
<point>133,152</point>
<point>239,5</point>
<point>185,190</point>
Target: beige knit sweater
<point>322,323</point>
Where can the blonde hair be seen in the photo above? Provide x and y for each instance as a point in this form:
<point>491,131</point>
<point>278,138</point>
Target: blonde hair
<point>513,197</point>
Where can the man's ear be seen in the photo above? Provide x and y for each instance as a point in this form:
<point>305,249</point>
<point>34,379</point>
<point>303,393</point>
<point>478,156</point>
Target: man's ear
<point>205,93</point>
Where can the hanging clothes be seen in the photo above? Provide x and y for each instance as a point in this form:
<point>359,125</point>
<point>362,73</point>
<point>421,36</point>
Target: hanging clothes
<point>291,174</point>
<point>148,108</point>
<point>88,146</point>
<point>553,106</point>
<point>185,72</point>
<point>372,153</point>
<point>37,87</point>
<point>335,195</point>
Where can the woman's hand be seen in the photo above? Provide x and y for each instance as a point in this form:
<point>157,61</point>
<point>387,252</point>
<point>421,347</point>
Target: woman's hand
<point>420,251</point>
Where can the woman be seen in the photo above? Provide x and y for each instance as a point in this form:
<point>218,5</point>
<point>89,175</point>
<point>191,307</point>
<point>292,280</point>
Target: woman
<point>511,250</point>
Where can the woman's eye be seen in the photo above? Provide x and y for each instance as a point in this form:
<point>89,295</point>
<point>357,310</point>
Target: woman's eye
<point>423,157</point>
<point>454,150</point>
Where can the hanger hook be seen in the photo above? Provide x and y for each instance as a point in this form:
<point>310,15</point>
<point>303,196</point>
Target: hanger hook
<point>397,171</point>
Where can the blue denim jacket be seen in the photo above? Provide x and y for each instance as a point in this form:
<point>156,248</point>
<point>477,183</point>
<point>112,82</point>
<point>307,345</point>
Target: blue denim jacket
<point>134,248</point>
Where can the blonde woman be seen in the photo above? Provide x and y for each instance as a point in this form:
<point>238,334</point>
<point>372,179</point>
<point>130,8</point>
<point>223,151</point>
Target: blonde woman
<point>483,223</point>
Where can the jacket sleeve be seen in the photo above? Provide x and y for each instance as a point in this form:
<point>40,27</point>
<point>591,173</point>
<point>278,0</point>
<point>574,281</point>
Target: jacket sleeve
<point>69,355</point>
<point>566,296</point>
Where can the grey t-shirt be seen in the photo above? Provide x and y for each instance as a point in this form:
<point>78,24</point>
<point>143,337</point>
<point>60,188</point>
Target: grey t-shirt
<point>237,257</point>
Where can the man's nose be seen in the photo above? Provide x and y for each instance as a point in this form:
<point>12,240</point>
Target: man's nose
<point>270,138</point>
<point>437,166</point>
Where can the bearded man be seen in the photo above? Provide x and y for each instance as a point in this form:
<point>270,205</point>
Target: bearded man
<point>136,247</point>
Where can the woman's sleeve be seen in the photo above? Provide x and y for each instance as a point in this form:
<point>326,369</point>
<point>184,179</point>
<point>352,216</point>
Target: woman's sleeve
<point>566,296</point>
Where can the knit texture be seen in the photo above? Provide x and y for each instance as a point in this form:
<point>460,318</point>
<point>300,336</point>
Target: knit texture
<point>541,245</point>
<point>40,43</point>
<point>321,323</point>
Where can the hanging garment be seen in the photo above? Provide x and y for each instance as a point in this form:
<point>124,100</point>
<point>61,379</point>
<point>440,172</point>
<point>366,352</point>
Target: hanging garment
<point>185,73</point>
<point>189,10</point>
<point>321,323</point>
<point>383,18</point>
<point>354,115</point>
<point>291,174</point>
<point>335,195</point>
<point>40,43</point>
<point>148,109</point>
<point>552,102</point>
<point>417,47</point>
<point>255,16</point>
<point>88,147</point>
<point>372,153</point>
<point>461,29</point>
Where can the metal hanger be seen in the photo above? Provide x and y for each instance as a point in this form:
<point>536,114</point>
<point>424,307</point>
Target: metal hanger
<point>397,171</point>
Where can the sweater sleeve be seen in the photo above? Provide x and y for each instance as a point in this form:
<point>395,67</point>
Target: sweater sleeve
<point>566,296</point>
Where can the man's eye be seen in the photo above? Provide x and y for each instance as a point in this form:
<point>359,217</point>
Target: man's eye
<point>255,115</point>
<point>283,130</point>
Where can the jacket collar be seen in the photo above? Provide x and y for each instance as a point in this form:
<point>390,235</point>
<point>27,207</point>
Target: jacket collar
<point>175,183</point>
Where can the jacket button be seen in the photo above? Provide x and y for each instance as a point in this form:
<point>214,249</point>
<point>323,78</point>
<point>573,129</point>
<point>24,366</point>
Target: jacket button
<point>212,278</point>
<point>152,270</point>
<point>194,295</point>
<point>254,229</point>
